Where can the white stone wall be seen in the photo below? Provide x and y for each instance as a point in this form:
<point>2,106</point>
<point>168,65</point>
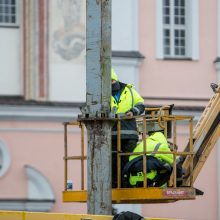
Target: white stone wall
<point>10,58</point>
<point>67,42</point>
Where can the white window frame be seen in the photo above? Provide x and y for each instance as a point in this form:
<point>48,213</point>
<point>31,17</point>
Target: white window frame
<point>10,24</point>
<point>192,30</point>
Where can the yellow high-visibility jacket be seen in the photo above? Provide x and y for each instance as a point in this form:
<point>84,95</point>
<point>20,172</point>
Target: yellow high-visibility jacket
<point>155,142</point>
<point>129,100</point>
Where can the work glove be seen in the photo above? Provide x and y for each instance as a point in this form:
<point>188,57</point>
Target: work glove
<point>135,111</point>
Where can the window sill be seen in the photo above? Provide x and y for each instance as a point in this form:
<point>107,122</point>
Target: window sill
<point>178,58</point>
<point>10,26</point>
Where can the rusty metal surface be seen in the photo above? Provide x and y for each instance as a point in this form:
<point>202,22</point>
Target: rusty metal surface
<point>98,100</point>
<point>99,168</point>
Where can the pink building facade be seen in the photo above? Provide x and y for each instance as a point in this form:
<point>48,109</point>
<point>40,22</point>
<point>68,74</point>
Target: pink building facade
<point>169,49</point>
<point>180,41</point>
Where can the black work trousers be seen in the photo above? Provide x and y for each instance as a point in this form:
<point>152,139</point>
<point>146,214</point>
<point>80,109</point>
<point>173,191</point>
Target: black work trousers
<point>127,146</point>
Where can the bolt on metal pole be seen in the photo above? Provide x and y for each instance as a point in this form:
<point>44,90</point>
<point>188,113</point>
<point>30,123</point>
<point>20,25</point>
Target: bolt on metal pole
<point>98,97</point>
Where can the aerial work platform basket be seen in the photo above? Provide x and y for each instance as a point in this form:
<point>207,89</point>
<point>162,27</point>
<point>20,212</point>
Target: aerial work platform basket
<point>158,119</point>
<point>200,142</point>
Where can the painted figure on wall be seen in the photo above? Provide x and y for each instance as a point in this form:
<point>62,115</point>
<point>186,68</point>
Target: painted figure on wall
<point>69,41</point>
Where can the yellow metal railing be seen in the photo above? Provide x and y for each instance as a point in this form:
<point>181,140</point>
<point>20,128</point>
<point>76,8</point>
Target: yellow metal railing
<point>159,116</point>
<point>81,157</point>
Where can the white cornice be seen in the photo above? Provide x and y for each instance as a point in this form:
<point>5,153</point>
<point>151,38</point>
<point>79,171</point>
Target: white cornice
<point>26,205</point>
<point>127,61</point>
<point>38,113</point>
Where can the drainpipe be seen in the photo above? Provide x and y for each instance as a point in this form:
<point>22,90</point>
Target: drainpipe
<point>217,66</point>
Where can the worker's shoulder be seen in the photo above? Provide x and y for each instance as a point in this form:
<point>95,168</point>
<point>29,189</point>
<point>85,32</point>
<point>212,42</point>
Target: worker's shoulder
<point>130,86</point>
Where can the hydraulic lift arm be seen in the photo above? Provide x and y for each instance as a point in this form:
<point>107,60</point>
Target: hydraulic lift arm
<point>205,136</point>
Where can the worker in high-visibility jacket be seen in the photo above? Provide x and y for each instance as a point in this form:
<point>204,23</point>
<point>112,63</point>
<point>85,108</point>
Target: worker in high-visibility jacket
<point>159,165</point>
<point>127,101</point>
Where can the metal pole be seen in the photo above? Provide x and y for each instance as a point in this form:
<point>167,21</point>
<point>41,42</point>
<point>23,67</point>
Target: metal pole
<point>98,96</point>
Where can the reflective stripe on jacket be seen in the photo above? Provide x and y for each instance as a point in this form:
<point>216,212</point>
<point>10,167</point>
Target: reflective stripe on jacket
<point>155,142</point>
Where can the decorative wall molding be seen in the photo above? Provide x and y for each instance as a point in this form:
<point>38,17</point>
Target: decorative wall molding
<point>5,159</point>
<point>38,185</point>
<point>35,47</point>
<point>41,197</point>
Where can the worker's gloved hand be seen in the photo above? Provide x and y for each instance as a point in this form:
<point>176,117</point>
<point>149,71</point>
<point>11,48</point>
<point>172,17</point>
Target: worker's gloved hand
<point>129,114</point>
<point>135,111</point>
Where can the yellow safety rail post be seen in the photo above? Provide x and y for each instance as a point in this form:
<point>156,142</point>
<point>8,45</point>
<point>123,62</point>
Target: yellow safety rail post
<point>118,154</point>
<point>145,152</point>
<point>82,126</point>
<point>174,153</point>
<point>191,150</point>
<point>65,156</point>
